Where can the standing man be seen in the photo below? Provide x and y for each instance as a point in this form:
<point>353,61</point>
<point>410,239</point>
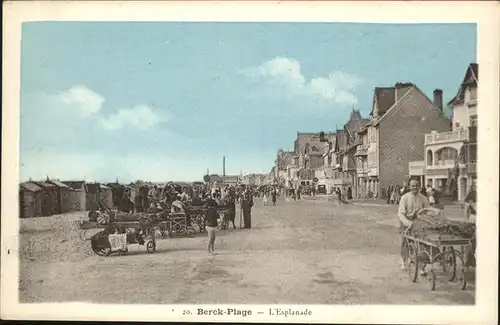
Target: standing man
<point>409,206</point>
<point>389,192</point>
<point>273,195</point>
<point>138,201</point>
<point>247,205</point>
<point>212,223</point>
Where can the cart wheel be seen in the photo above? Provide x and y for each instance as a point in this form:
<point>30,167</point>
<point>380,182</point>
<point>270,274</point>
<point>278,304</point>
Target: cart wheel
<point>431,277</point>
<point>412,262</point>
<point>123,251</point>
<point>449,263</point>
<point>102,251</point>
<point>463,279</point>
<point>151,247</point>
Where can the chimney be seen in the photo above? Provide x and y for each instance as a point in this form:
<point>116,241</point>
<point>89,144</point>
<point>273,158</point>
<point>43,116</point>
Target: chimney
<point>438,99</point>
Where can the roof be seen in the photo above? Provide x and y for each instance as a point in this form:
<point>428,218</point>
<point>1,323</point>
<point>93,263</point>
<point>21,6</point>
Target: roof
<point>92,187</point>
<point>45,185</point>
<point>413,88</point>
<point>75,184</point>
<point>355,123</point>
<point>58,183</point>
<point>385,98</point>
<point>114,185</point>
<point>471,78</point>
<point>30,186</point>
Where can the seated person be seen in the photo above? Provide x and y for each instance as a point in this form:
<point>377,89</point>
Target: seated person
<point>185,196</point>
<point>178,206</point>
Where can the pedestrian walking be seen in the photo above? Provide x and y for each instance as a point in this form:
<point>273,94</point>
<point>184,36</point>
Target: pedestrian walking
<point>264,198</point>
<point>389,194</point>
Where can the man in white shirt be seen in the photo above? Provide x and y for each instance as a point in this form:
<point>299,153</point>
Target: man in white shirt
<point>185,196</point>
<point>409,207</point>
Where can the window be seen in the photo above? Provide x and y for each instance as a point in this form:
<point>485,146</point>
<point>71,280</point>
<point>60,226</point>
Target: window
<point>457,125</point>
<point>429,158</point>
<point>473,93</point>
<point>472,153</point>
<point>446,156</point>
<point>473,120</point>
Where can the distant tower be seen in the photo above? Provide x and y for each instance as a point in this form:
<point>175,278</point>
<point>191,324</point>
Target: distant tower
<point>224,166</point>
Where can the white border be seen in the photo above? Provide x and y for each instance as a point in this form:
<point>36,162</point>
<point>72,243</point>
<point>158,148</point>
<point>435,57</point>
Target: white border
<point>485,14</point>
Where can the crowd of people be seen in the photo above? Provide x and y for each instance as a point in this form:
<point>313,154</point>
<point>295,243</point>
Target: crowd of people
<point>213,197</point>
<point>396,192</point>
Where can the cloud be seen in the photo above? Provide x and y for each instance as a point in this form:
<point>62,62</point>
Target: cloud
<point>286,73</point>
<point>89,104</point>
<point>86,101</point>
<point>141,117</point>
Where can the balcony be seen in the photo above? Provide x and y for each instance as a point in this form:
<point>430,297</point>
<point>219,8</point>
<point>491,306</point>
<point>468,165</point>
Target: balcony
<point>362,171</point>
<point>472,102</point>
<point>444,137</point>
<point>341,182</point>
<point>416,168</point>
<point>361,151</point>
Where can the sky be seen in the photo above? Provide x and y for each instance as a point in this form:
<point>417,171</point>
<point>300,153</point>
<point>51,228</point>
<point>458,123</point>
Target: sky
<point>161,101</point>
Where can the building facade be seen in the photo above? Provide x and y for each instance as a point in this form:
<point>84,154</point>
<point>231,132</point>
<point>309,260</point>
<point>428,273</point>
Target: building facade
<point>400,117</point>
<point>450,158</point>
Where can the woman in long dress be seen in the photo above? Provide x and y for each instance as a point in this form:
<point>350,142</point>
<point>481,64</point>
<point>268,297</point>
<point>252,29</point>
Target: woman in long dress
<point>265,198</point>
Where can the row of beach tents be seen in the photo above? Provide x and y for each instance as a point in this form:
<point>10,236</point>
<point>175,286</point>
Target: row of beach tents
<point>50,197</point>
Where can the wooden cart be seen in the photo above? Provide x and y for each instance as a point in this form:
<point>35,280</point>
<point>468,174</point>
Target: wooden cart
<point>431,249</point>
<point>135,232</point>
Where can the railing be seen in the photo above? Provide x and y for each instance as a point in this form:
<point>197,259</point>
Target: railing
<point>361,150</point>
<point>457,135</point>
<point>363,170</point>
<point>417,164</point>
<point>416,168</point>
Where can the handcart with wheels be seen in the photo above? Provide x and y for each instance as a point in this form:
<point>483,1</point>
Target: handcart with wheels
<point>179,223</point>
<point>132,231</point>
<point>425,250</point>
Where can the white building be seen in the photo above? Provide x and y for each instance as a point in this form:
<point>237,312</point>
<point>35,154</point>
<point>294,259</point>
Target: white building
<point>442,150</point>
